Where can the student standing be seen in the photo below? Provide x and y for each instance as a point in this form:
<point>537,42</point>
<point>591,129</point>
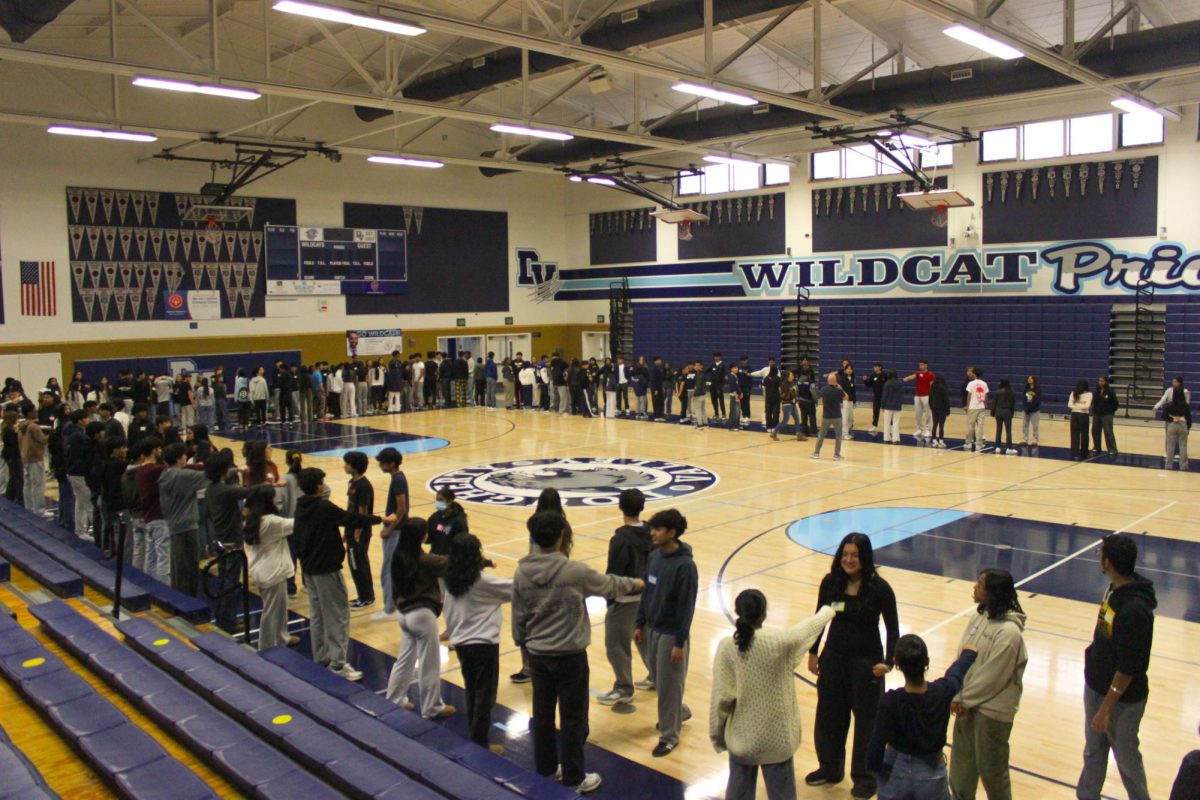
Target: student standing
<point>787,401</point>
<point>806,398</point>
<point>753,713</point>
<point>418,598</point>
<point>987,703</point>
<point>1104,410</point>
<point>922,408</point>
<point>31,442</point>
<point>360,498</point>
<point>697,404</point>
<point>1115,665</point>
<point>258,394</point>
<point>1176,405</point>
<point>628,551</point>
<point>1080,404</point>
<point>1004,403</point>
<point>658,377</point>
<point>1031,408</point>
<point>158,538</point>
<point>875,381</point>
<point>222,501</point>
<point>891,399</point>
<point>846,381</point>
<point>447,521</point>
<point>939,410</point>
<point>771,399</point>
<point>716,384</point>
<point>832,396</point>
<point>910,731</point>
<point>976,392</point>
<point>177,488</point>
<point>640,380</point>
<point>396,506</point>
<point>472,610</point>
<point>550,620</point>
<point>265,534</point>
<point>850,669</point>
<point>733,387</point>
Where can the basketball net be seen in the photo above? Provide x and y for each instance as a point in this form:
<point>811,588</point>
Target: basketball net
<point>685,230</point>
<point>939,217</point>
<point>211,232</point>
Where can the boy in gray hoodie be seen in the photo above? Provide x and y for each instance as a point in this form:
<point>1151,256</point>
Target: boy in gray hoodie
<point>550,620</point>
<point>991,692</point>
<point>177,488</point>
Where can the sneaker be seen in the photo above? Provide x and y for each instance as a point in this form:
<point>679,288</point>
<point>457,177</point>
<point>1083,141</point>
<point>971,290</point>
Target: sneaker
<point>348,672</point>
<point>872,429</point>
<point>848,436</point>
<point>292,641</point>
<point>614,698</point>
<point>520,677</point>
<point>663,749</point>
<point>447,711</point>
<point>837,457</point>
<point>815,456</point>
<point>646,685</point>
<point>862,792</point>
<point>1012,451</point>
<point>590,783</point>
<point>818,778</point>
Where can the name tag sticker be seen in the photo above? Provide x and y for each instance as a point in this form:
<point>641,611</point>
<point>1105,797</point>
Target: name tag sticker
<point>653,579</point>
<point>839,606</point>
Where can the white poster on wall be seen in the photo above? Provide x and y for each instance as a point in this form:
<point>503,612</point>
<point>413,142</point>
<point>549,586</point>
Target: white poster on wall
<point>374,343</point>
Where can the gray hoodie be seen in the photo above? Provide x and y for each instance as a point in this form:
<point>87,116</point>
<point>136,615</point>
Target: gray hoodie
<point>548,614</point>
<point>993,684</point>
<point>177,488</point>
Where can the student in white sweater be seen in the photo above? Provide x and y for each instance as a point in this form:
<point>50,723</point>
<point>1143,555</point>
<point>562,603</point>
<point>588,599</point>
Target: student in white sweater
<point>270,562</point>
<point>472,612</point>
<point>754,713</point>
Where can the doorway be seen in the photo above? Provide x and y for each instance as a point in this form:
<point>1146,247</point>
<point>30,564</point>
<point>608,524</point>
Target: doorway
<point>507,345</point>
<point>453,345</point>
<point>595,345</point>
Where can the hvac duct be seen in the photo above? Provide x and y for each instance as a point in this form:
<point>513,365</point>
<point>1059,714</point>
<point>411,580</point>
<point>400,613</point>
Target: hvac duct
<point>23,18</point>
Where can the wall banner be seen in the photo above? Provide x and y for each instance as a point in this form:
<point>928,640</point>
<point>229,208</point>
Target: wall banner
<point>374,343</point>
<point>192,304</point>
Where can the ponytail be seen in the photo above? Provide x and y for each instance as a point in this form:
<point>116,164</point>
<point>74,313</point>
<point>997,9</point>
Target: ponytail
<point>259,503</point>
<point>751,608</point>
<point>743,635</point>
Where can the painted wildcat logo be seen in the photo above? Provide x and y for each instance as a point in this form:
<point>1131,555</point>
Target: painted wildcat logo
<point>580,481</point>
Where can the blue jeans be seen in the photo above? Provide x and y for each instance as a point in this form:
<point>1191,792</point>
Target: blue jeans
<point>913,777</point>
<point>780,780</point>
<point>1122,739</point>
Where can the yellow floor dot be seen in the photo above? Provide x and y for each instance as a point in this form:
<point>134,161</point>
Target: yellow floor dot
<point>282,719</point>
<point>161,642</point>
<point>33,662</point>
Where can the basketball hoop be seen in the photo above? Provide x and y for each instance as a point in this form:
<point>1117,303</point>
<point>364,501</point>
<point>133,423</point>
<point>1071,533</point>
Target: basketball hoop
<point>939,217</point>
<point>546,290</point>
<point>685,230</point>
<point>211,232</point>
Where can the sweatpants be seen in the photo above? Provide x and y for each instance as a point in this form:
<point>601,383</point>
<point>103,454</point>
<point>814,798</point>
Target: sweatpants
<point>185,562</point>
<point>657,401</point>
<point>564,400</point>
<point>560,682</point>
<point>1079,435</point>
<point>620,621</point>
<point>329,618</point>
<point>780,780</point>
<point>385,574</point>
<point>847,417</point>
<point>1032,419</point>
<point>35,487</point>
<point>610,404</point>
<point>272,626</point>
<point>480,664</point>
<point>137,534</point>
<point>1101,423</point>
<point>360,566</point>
<point>891,425</point>
<point>1177,438</point>
<point>975,417</point>
<point>826,423</point>
<point>921,410</point>
<point>158,551</point>
<point>980,753</point>
<point>699,407</point>
<point>83,504</point>
<point>418,656</point>
<point>846,686</point>
<point>669,680</point>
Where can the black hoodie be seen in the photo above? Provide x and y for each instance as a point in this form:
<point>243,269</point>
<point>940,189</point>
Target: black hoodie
<point>444,526</point>
<point>628,551</point>
<point>317,535</point>
<point>1122,639</point>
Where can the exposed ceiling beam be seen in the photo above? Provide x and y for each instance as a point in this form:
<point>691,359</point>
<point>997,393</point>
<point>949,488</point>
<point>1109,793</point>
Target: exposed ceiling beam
<point>1157,13</point>
<point>867,23</point>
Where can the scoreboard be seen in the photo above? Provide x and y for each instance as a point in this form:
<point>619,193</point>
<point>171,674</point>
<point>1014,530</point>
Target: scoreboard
<point>321,261</point>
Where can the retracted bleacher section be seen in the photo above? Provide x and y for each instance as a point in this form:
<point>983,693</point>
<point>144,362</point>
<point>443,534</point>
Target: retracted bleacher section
<point>22,781</point>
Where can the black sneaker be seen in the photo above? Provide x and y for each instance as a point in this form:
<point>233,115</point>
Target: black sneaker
<point>520,677</point>
<point>862,792</point>
<point>818,778</point>
<point>663,749</point>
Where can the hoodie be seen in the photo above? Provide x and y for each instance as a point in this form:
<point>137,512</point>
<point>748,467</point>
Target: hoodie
<point>548,615</point>
<point>993,684</point>
<point>628,551</point>
<point>318,538</point>
<point>177,488</point>
<point>1122,639</point>
<point>669,600</point>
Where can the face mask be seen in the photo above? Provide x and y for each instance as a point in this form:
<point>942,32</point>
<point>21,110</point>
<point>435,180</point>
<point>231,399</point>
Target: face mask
<point>440,506</point>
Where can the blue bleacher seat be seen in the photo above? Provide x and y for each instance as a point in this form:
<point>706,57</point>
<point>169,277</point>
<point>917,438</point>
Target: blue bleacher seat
<point>22,781</point>
<point>48,572</point>
<point>5,570</point>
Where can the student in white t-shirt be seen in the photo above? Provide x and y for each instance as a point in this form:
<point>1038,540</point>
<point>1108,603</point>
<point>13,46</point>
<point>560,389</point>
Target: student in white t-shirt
<point>977,396</point>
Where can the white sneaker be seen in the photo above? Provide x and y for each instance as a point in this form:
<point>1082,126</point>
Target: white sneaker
<point>614,698</point>
<point>348,672</point>
<point>590,783</point>
<point>1012,451</point>
<point>815,456</point>
<point>848,437</point>
<point>872,429</point>
<point>837,457</point>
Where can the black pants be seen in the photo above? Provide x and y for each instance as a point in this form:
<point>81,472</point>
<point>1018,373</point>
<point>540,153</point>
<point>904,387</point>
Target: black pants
<point>286,411</point>
<point>746,405</point>
<point>718,401</point>
<point>447,397</point>
<point>185,562</point>
<point>1187,782</point>
<point>657,400</point>
<point>876,404</point>
<point>1103,423</point>
<point>623,398</point>
<point>808,418</point>
<point>480,392</point>
<point>846,686</point>
<point>15,488</point>
<point>1079,435</point>
<point>560,682</point>
<point>1004,425</point>
<point>430,390</point>
<point>772,414</point>
<point>939,424</point>
<point>481,673</point>
<point>260,412</point>
<point>360,565</point>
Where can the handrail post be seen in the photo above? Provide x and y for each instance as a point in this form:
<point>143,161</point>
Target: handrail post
<point>122,533</point>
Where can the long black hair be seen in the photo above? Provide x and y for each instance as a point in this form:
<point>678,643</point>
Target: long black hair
<point>1001,593</point>
<point>259,503</point>
<point>406,563</point>
<point>254,452</point>
<point>866,557</point>
<point>751,608</point>
<point>549,500</point>
<point>1081,388</point>
<point>466,564</point>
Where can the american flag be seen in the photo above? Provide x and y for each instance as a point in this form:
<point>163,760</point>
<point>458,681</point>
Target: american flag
<point>38,289</point>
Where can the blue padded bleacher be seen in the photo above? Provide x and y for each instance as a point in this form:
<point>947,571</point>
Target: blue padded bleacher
<point>329,755</point>
<point>227,747</point>
<point>192,609</point>
<point>5,570</point>
<point>48,572</point>
<point>417,758</point>
<point>22,781</point>
<point>477,759</point>
<point>124,755</point>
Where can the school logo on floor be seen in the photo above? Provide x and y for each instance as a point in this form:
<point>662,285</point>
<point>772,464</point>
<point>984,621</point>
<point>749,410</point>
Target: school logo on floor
<point>579,481</point>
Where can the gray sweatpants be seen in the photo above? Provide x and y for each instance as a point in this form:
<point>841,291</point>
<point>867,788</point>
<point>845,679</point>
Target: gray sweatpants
<point>83,504</point>
<point>272,627</point>
<point>564,400</point>
<point>669,680</point>
<point>329,618</point>
<point>620,621</point>
<point>1177,436</point>
<point>826,424</point>
<point>35,486</point>
<point>975,417</point>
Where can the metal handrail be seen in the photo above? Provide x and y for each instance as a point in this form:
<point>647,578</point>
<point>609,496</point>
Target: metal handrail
<point>231,554</point>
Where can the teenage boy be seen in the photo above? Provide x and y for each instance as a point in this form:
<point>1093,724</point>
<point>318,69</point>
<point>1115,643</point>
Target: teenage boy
<point>223,502</point>
<point>698,404</point>
<point>657,390</point>
<point>832,396</point>
<point>177,489</point>
<point>157,536</point>
<point>140,426</point>
<point>977,404</point>
<point>733,387</point>
<point>664,622</point>
<point>746,377</point>
<point>805,398</point>
<point>360,498</point>
<point>875,382</point>
<point>32,439</point>
<point>1114,671</point>
<point>319,547</point>
<point>549,620</point>
<point>628,551</point>
<point>924,379</point>
<point>396,507</point>
<point>716,387</point>
<point>112,498</point>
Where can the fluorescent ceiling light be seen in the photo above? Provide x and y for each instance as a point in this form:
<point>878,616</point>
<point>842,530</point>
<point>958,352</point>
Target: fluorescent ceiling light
<point>400,161</point>
<point>1134,107</point>
<point>345,17</point>
<point>602,181</point>
<point>195,88</point>
<point>97,133</point>
<point>715,94</point>
<point>982,42</point>
<point>540,133</point>
<point>729,160</point>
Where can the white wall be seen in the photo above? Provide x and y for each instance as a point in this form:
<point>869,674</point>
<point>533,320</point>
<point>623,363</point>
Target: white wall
<point>36,168</point>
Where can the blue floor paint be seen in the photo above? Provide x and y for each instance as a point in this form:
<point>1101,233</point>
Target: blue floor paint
<point>336,439</point>
<point>823,532</point>
<point>422,444</point>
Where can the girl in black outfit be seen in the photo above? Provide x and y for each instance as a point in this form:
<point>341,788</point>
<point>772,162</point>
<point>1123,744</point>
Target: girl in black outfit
<point>939,409</point>
<point>771,399</point>
<point>850,670</point>
<point>1004,403</point>
<point>1104,409</point>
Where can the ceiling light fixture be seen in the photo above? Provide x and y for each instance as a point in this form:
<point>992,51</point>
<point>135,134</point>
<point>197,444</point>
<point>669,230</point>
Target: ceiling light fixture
<point>715,94</point>
<point>149,82</point>
<point>982,42</point>
<point>340,15</point>
<point>599,181</point>
<point>1131,106</point>
<point>730,160</point>
<point>98,133</point>
<point>401,161</point>
<point>540,133</point>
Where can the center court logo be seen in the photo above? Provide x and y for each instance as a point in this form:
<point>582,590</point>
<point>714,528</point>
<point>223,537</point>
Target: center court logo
<point>579,481</point>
